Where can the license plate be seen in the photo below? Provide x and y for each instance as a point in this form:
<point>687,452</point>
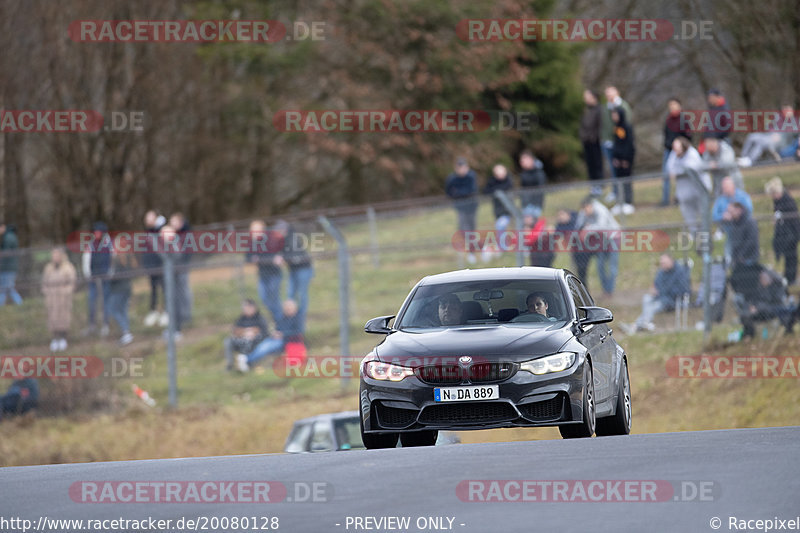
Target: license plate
<point>462,394</point>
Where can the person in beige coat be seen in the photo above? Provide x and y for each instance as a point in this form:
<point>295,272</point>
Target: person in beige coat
<point>58,284</point>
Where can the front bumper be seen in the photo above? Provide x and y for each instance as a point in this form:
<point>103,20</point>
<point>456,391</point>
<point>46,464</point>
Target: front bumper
<point>526,400</point>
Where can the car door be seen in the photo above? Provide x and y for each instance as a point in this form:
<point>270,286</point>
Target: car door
<point>604,366</point>
<point>593,337</point>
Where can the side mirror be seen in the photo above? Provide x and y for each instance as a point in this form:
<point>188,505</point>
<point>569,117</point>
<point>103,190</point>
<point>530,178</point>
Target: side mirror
<point>379,325</point>
<point>595,315</point>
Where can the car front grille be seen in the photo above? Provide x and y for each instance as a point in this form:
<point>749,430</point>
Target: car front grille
<point>393,417</point>
<point>439,374</point>
<point>468,412</point>
<point>453,374</point>
<point>487,372</point>
<point>544,410</point>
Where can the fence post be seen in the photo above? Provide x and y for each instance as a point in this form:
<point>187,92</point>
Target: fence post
<point>373,236</point>
<point>169,295</point>
<point>343,256</point>
<point>706,249</point>
<point>516,214</point>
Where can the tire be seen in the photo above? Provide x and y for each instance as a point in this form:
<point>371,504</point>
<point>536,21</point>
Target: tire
<point>587,426</point>
<point>620,422</point>
<point>419,438</point>
<point>377,441</point>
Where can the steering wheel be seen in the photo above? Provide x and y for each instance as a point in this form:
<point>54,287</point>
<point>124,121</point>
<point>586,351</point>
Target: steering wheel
<point>530,317</point>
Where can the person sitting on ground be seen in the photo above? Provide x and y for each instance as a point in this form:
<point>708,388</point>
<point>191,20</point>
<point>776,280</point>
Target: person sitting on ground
<point>248,331</point>
<point>672,282</point>
<point>450,310</point>
<point>289,336</point>
<point>765,300</point>
<point>21,397</point>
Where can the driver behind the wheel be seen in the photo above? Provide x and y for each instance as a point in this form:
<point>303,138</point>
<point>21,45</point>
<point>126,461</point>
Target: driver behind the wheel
<point>537,303</point>
<point>450,310</point>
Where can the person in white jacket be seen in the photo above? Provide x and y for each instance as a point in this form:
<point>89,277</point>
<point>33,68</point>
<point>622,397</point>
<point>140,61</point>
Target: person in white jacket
<point>689,193</point>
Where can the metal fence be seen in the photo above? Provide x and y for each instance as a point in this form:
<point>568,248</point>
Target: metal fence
<point>364,260</point>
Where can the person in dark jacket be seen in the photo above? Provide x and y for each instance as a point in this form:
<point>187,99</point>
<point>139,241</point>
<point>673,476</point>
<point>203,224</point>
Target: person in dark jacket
<point>537,237</point>
<point>566,223</point>
<point>672,282</point>
<point>589,133</point>
<point>672,130</point>
<point>298,261</point>
<point>9,264</point>
<point>787,227</point>
<point>21,397</point>
<point>290,332</point>
<point>462,187</point>
<point>623,151</point>
<point>248,331</point>
<point>764,300</point>
<point>499,180</point>
<point>532,178</point>
<point>96,267</point>
<point>151,261</point>
<point>119,297</point>
<point>719,114</point>
<point>743,241</point>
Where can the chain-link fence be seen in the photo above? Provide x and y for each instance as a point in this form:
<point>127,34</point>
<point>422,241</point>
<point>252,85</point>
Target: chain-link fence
<point>96,334</point>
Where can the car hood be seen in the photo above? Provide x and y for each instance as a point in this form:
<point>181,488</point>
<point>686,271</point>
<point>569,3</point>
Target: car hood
<point>509,343</point>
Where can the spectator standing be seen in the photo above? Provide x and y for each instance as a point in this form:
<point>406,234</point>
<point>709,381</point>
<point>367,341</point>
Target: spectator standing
<point>720,161</point>
<point>123,265</point>
<point>593,220</point>
<point>183,290</point>
<point>720,115</point>
<point>298,261</point>
<point>269,261</point>
<point>672,130</point>
<point>787,227</point>
<point>499,180</point>
<point>151,261</point>
<point>9,264</point>
<point>566,223</point>
<point>672,282</point>
<point>683,159</point>
<point>591,123</point>
<point>743,241</point>
<point>729,193</point>
<point>623,151</point>
<point>532,178</point>
<point>537,237</point>
<point>613,101</point>
<point>96,263</point>
<point>462,187</point>
<point>58,285</point>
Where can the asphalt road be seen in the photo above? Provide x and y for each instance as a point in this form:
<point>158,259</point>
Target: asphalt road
<point>749,474</point>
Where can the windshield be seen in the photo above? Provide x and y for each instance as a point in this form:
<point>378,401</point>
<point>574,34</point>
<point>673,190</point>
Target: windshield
<point>348,433</point>
<point>527,303</point>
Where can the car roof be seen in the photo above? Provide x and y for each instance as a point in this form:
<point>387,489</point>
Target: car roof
<point>503,273</point>
<point>327,417</point>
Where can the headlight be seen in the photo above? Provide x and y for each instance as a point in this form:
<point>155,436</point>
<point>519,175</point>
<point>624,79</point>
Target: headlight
<point>386,371</point>
<point>552,363</point>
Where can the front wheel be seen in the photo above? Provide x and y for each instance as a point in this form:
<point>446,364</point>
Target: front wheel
<point>586,427</point>
<point>419,438</point>
<point>376,441</point>
<point>620,422</point>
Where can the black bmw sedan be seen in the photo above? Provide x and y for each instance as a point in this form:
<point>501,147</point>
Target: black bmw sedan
<point>494,348</point>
